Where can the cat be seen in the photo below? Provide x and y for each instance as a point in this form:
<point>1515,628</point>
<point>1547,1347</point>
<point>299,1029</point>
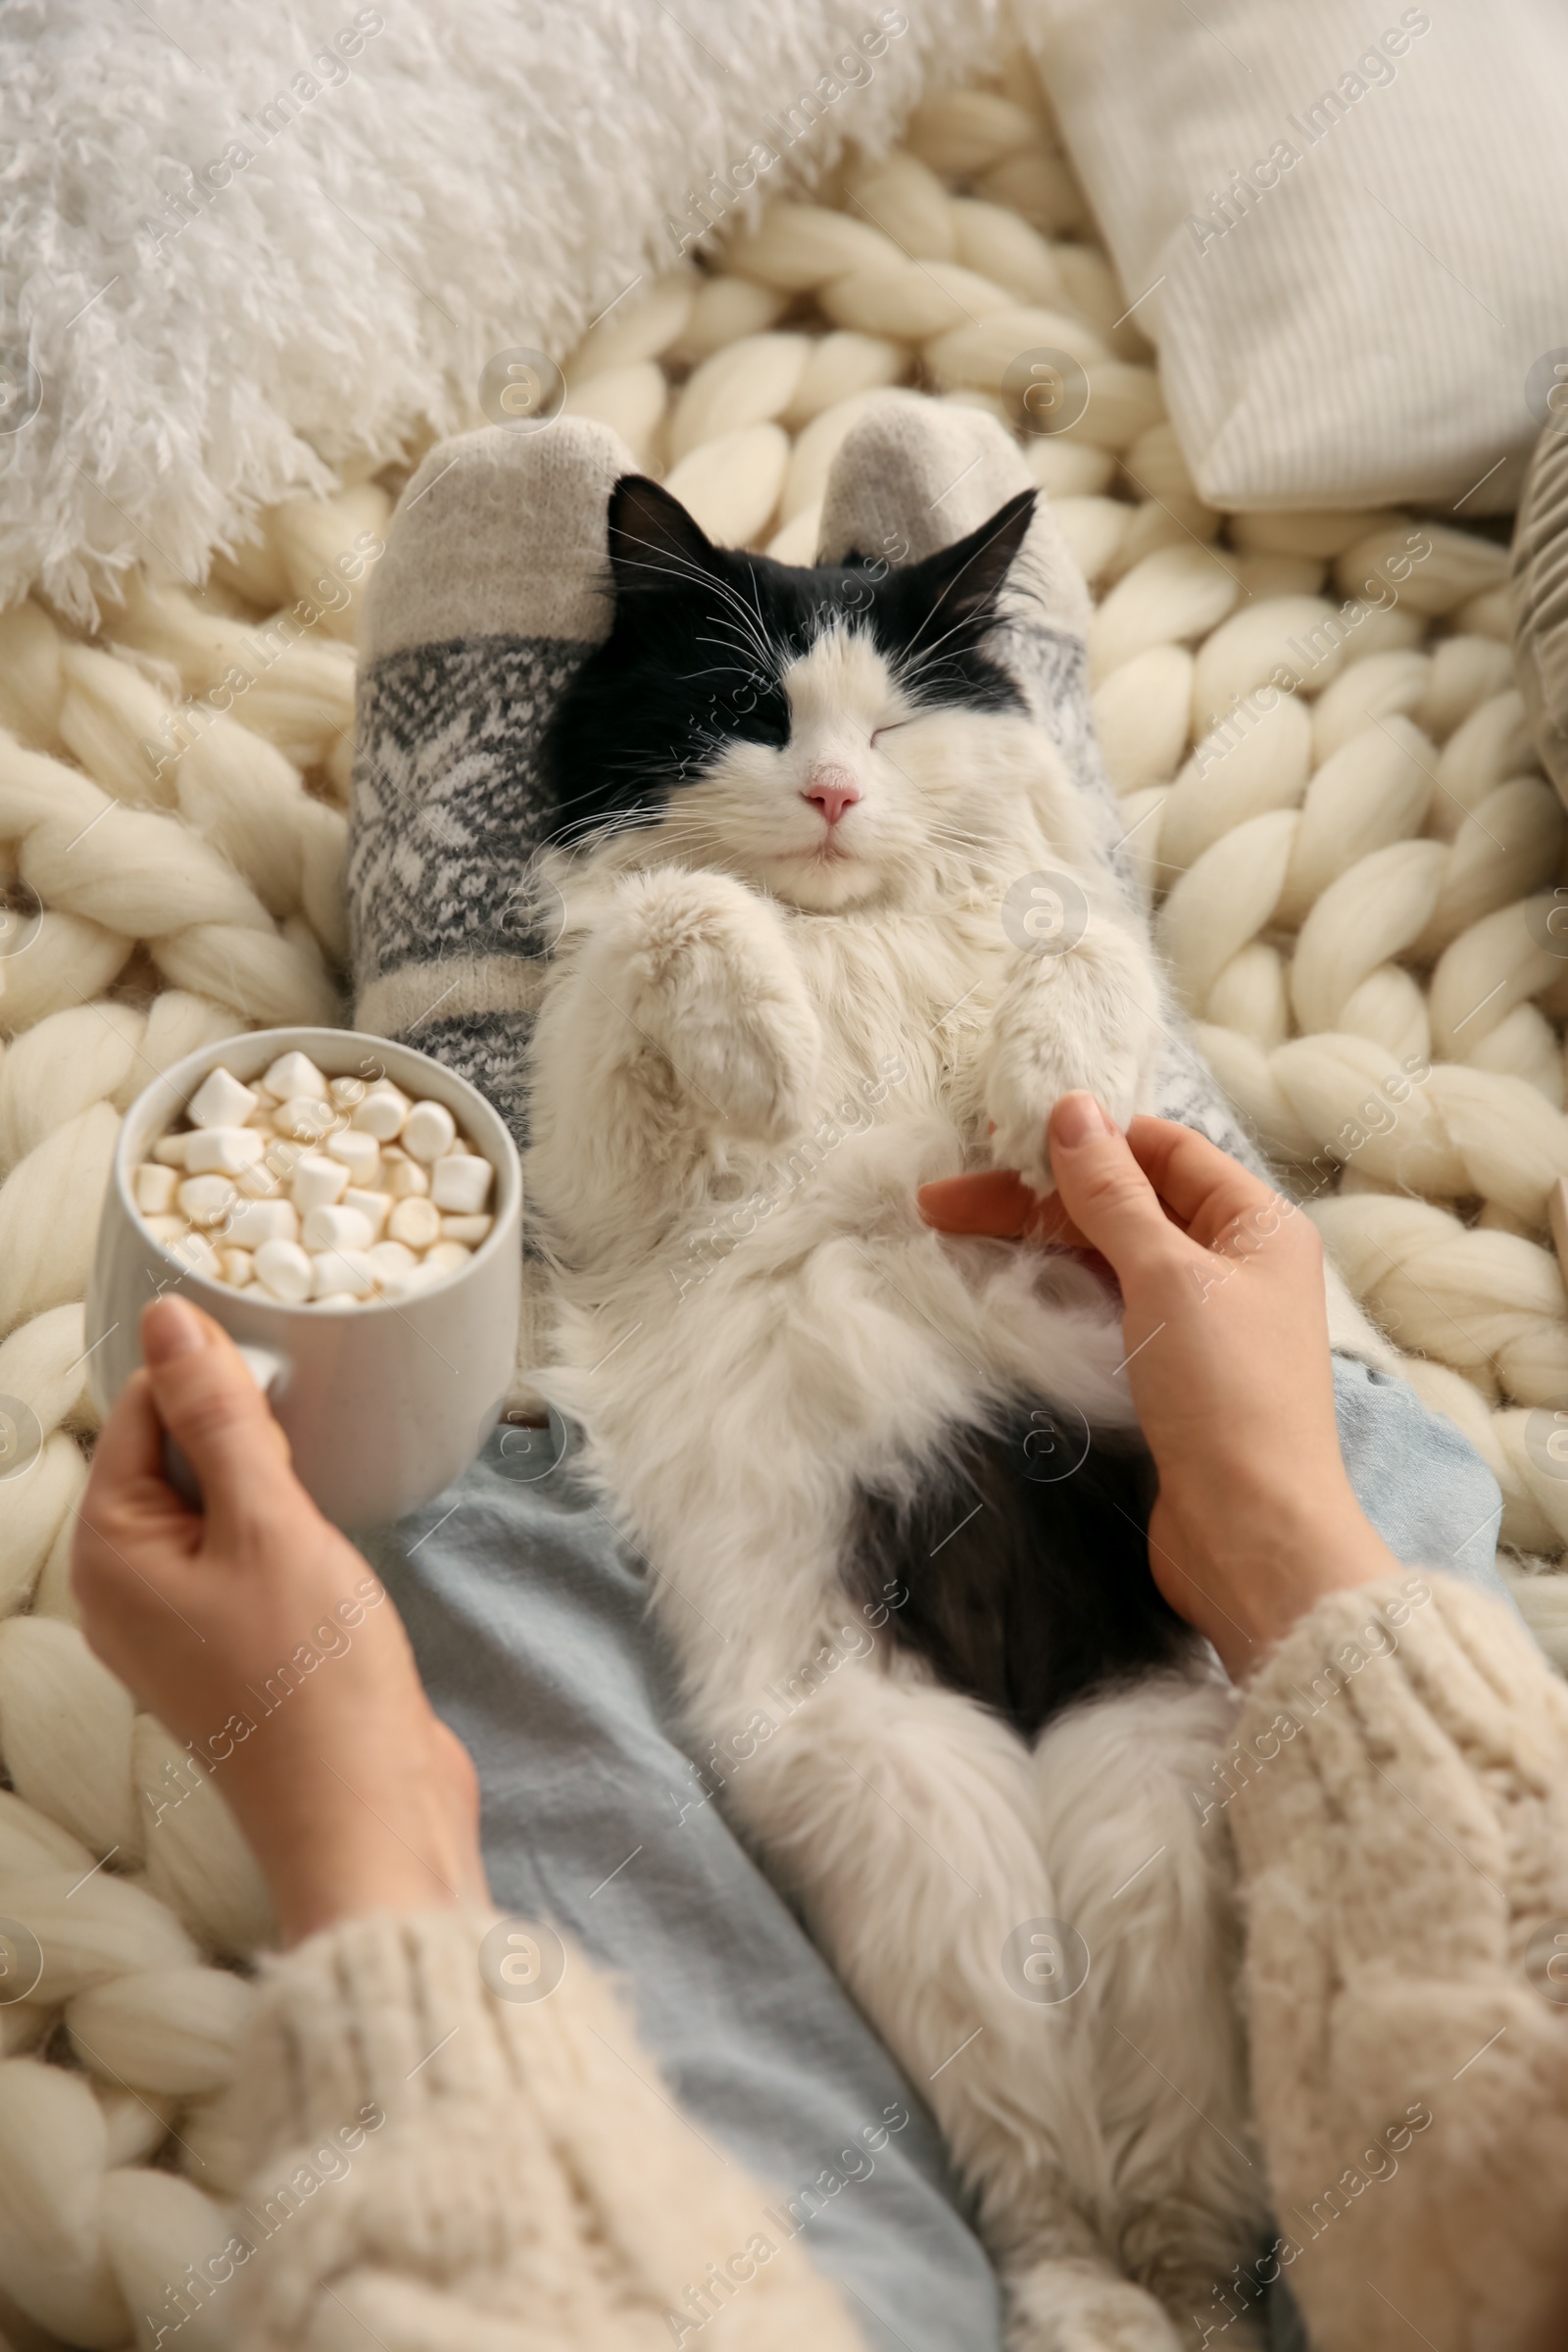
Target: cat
<point>889,1484</point>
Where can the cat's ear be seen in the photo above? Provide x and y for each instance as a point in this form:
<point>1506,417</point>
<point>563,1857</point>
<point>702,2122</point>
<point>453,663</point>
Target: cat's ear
<point>960,584</point>
<point>654,543</point>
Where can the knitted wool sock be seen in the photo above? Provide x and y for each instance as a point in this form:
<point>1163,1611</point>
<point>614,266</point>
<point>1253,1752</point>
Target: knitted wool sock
<point>489,595</point>
<point>912,476</point>
<point>915,474</point>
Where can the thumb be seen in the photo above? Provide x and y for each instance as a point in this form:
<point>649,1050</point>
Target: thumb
<point>992,1201</point>
<point>1103,1188</point>
<point>215,1413</point>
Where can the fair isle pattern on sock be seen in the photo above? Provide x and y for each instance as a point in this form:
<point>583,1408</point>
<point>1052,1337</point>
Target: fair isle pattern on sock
<point>448,805</point>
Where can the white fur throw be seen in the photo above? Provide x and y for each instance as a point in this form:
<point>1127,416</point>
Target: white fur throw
<point>1347,876</point>
<point>243,244</point>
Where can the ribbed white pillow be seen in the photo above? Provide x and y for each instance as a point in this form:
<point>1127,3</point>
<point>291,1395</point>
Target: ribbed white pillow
<point>1361,329</point>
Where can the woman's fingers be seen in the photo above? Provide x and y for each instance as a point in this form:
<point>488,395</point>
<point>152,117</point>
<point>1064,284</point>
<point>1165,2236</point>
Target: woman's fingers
<point>1103,1188</point>
<point>213,1619</point>
<point>216,1416</point>
<point>1204,1188</point>
<point>1114,1194</point>
<point>996,1202</point>
<point>133,1534</point>
<point>128,1455</point>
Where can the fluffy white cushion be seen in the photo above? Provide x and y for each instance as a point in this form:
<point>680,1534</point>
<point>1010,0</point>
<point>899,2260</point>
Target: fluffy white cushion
<point>1341,221</point>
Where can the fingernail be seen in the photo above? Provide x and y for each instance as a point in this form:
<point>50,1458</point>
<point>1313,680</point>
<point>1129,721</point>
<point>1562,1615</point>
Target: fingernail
<point>1077,1119</point>
<point>169,1328</point>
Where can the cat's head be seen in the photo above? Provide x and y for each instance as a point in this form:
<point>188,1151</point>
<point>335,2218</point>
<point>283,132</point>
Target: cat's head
<point>780,721</point>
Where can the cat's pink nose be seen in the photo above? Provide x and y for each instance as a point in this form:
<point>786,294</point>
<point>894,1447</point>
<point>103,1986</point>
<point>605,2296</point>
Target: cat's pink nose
<point>832,790</point>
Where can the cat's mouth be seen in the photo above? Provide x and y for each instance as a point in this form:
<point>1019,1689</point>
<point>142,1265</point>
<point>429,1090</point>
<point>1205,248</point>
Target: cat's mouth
<point>825,877</point>
<point>824,857</point>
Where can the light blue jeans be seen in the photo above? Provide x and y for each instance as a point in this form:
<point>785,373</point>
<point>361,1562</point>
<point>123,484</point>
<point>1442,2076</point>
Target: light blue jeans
<point>529,1623</point>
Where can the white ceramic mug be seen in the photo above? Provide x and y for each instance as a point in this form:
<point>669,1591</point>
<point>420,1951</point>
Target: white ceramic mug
<point>383,1404</point>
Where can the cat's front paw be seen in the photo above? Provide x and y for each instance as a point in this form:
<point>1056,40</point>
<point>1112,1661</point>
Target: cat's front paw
<point>1028,1076</point>
<point>711,982</point>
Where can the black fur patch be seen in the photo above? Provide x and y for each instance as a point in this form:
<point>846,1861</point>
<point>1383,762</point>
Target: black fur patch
<point>1023,1592</point>
<point>702,637</point>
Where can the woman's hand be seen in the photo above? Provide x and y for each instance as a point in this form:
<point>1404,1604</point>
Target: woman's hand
<point>258,1635</point>
<point>1227,1356</point>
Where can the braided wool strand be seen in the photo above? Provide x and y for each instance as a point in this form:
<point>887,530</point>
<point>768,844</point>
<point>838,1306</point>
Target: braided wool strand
<point>1352,875</point>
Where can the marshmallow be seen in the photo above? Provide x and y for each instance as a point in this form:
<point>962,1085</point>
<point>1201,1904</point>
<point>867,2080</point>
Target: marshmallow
<point>418,1223</point>
<point>383,1111</point>
<point>306,1118</point>
<point>222,1150</point>
<point>428,1131</point>
<point>319,1183</point>
<point>221,1100</point>
<point>398,1289</point>
<point>470,1230</point>
<point>446,1257</point>
<point>292,1075</point>
<point>374,1207</point>
<point>253,1222</point>
<point>166,1229</point>
<point>283,1268</point>
<point>337,1229</point>
<point>154,1189</point>
<point>359,1154</point>
<point>261,1181</point>
<point>268,1175</point>
<point>206,1200</point>
<point>169,1151</point>
<point>346,1093</point>
<point>195,1252</point>
<point>403,1177</point>
<point>342,1273</point>
<point>236,1266</point>
<point>389,1261</point>
<point>461,1184</point>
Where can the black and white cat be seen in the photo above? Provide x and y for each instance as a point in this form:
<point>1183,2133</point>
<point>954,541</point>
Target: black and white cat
<point>889,1482</point>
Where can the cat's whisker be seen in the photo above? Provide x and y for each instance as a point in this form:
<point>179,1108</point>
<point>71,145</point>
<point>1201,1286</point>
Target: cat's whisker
<point>754,641</point>
<point>588,833</point>
<point>750,615</point>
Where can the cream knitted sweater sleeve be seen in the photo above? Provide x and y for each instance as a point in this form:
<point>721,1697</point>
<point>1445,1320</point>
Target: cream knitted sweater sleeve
<point>1401,1811</point>
<point>442,2169</point>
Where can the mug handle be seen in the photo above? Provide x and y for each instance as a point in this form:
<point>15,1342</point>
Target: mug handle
<point>269,1371</point>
